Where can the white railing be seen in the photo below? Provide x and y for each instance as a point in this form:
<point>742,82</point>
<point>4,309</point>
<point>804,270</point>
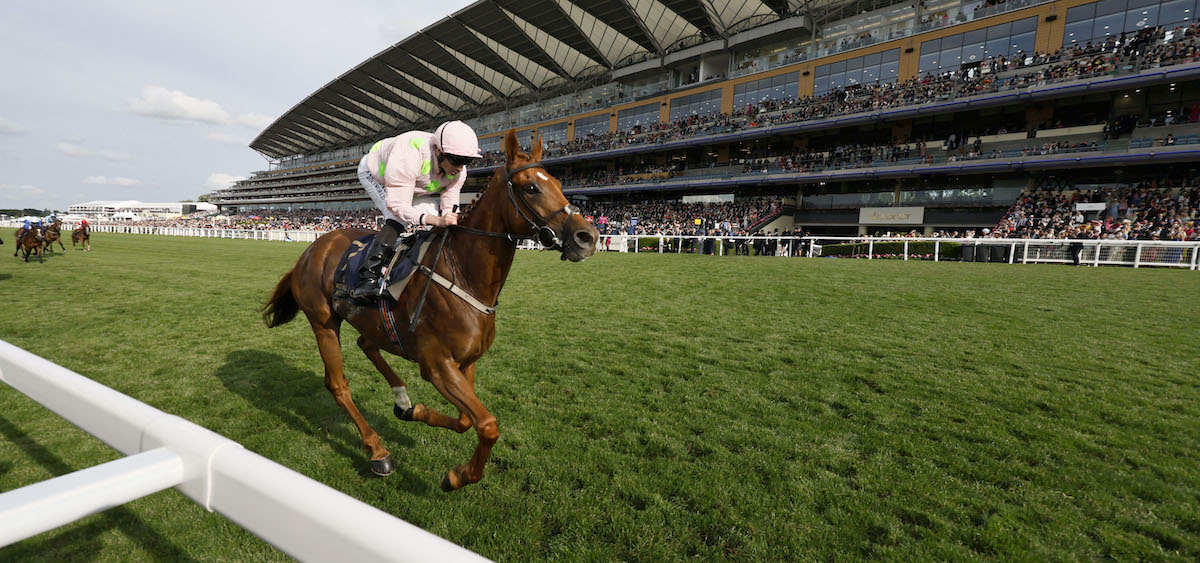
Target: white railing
<point>303,518</point>
<point>1136,253</point>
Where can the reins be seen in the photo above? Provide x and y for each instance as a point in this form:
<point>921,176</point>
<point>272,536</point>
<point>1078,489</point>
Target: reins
<point>542,233</point>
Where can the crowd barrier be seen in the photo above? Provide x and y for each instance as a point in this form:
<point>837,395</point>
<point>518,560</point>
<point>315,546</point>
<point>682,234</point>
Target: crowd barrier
<point>303,518</point>
<point>1135,253</point>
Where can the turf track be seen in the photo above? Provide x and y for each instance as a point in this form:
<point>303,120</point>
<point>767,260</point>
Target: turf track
<point>660,408</point>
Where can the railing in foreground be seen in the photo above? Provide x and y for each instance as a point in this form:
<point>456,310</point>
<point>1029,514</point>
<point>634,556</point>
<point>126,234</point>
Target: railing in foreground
<point>1136,253</point>
<point>303,518</point>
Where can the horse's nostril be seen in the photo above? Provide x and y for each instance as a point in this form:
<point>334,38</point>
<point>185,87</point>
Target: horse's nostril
<point>583,238</point>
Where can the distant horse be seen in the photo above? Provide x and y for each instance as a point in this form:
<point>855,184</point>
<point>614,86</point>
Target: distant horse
<point>83,237</point>
<point>53,235</point>
<point>447,334</point>
<point>31,242</point>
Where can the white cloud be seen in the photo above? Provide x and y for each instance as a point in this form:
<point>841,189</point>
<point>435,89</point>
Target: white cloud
<point>174,105</point>
<point>20,192</point>
<point>218,180</point>
<point>106,181</point>
<point>79,151</point>
<point>229,139</point>
<point>71,149</point>
<point>255,121</point>
<point>9,128</point>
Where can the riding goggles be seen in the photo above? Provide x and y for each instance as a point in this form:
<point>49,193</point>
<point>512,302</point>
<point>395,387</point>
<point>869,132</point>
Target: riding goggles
<point>458,160</point>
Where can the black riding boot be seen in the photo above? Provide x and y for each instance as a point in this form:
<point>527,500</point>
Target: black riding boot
<point>378,255</point>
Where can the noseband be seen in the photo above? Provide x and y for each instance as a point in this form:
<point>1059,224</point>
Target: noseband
<point>543,233</point>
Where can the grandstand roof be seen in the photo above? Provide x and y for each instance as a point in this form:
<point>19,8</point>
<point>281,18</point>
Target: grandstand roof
<point>494,51</point>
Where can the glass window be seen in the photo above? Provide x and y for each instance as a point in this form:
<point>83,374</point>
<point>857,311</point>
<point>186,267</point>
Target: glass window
<point>888,72</point>
<point>1176,12</point>
<point>1080,13</point>
<point>952,41</point>
<point>872,59</point>
<point>1134,4</point>
<point>1025,25</point>
<point>1141,18</point>
<point>853,77</point>
<point>1107,25</point>
<point>891,56</point>
<point>996,47</point>
<point>1023,42</point>
<point>594,125</point>
<point>837,67</point>
<point>951,59</point>
<point>998,31</point>
<point>974,37</point>
<point>931,46</point>
<point>1106,7</point>
<point>1078,32</point>
<point>928,64</point>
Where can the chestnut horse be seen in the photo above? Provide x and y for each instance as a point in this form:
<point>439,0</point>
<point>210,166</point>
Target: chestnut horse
<point>31,242</point>
<point>82,236</point>
<point>447,334</point>
<point>53,235</point>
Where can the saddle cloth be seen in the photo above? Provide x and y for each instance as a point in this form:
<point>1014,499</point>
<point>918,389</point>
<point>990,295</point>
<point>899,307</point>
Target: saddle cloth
<point>410,250</point>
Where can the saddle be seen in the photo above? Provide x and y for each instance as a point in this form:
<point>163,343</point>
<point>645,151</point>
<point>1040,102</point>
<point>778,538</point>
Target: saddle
<point>410,250</point>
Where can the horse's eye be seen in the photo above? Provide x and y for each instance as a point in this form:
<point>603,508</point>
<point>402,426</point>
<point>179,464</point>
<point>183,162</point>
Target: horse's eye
<point>532,189</point>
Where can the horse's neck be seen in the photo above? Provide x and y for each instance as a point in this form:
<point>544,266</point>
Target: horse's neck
<point>483,261</point>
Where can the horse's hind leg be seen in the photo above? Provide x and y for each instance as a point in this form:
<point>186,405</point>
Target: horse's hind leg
<point>459,389</point>
<point>329,343</point>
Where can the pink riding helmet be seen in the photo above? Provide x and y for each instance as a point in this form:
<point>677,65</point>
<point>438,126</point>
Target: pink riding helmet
<point>457,138</point>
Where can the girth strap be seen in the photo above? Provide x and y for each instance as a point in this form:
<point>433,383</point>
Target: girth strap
<point>458,290</point>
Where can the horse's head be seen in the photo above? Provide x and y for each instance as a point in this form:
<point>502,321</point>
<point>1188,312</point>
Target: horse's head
<point>538,207</point>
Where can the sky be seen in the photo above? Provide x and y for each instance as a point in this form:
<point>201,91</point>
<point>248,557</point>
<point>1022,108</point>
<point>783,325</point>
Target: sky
<point>158,101</point>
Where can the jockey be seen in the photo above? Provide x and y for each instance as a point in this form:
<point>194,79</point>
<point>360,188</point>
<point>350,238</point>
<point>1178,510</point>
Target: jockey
<point>414,180</point>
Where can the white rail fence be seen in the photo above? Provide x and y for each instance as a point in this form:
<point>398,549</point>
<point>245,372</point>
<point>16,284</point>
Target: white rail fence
<point>303,518</point>
<point>1135,253</point>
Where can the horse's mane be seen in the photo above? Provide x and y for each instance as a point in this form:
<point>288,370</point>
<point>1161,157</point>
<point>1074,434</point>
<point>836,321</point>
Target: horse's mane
<point>466,214</point>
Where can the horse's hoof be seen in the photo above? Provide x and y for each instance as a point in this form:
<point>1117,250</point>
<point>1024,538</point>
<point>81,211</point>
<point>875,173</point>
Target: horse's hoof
<point>406,414</point>
<point>446,486</point>
<point>383,467</point>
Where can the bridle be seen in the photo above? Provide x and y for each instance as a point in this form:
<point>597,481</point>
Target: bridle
<point>543,233</point>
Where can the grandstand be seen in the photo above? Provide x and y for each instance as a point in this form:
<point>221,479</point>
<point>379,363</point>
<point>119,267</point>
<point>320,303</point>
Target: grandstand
<point>132,209</point>
<point>835,110</point>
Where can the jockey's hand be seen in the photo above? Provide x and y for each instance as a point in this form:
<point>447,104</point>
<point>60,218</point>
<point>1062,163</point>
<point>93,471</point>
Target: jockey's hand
<point>446,220</point>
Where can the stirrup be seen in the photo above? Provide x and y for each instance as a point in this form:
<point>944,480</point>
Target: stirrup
<point>367,292</point>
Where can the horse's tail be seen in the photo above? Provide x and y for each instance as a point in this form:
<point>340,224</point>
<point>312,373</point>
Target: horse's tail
<point>282,306</point>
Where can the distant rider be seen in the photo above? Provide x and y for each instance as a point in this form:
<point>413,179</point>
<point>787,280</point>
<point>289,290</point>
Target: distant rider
<point>415,180</point>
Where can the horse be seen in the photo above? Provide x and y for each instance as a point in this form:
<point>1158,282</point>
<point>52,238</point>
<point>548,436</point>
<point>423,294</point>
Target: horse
<point>81,236</point>
<point>53,235</point>
<point>448,333</point>
<point>31,242</point>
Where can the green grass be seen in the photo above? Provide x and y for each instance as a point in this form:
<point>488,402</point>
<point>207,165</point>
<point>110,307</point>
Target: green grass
<point>660,408</point>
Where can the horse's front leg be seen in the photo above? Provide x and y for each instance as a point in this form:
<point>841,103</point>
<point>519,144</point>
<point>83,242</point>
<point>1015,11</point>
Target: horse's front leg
<point>329,343</point>
<point>459,389</point>
<point>431,416</point>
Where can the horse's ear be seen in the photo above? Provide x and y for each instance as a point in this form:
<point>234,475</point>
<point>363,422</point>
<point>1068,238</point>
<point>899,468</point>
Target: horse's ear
<point>536,152</point>
<point>511,148</point>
